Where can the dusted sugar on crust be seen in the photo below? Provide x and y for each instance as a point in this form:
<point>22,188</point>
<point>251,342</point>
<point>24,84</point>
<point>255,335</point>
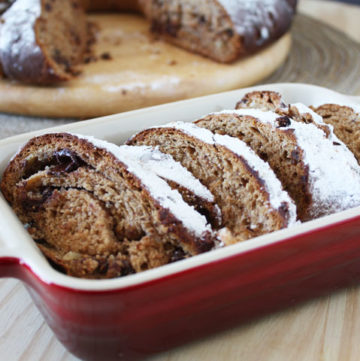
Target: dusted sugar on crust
<point>95,212</point>
<point>42,41</point>
<point>223,30</point>
<point>345,119</point>
<point>325,119</point>
<point>305,158</point>
<point>249,195</point>
<point>178,177</point>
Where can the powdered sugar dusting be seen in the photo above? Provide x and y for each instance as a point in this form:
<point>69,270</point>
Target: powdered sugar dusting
<point>277,196</point>
<point>334,174</point>
<point>266,116</point>
<point>319,120</point>
<point>255,18</point>
<point>272,185</point>
<point>192,130</point>
<point>334,171</point>
<point>17,38</point>
<point>157,187</point>
<point>303,109</point>
<point>166,167</point>
<point>255,14</point>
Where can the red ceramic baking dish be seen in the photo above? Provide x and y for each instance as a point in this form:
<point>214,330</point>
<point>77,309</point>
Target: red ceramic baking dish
<point>138,315</point>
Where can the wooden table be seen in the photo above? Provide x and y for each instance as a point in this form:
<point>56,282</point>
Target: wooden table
<point>325,329</point>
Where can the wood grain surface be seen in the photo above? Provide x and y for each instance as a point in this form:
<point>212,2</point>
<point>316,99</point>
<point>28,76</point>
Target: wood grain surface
<point>326,329</point>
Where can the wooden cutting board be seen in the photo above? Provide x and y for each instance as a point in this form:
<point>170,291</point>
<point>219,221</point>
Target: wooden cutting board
<point>136,70</point>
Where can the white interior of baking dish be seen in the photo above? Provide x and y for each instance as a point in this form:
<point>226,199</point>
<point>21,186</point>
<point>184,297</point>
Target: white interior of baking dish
<point>16,242</point>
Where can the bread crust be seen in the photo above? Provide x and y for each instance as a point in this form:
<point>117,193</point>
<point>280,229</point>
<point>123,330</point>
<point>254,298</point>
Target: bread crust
<point>23,55</point>
<point>41,203</point>
<point>300,177</point>
<point>346,123</point>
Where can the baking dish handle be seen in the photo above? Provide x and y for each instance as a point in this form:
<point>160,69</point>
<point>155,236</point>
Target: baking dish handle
<point>10,258</point>
<point>10,244</point>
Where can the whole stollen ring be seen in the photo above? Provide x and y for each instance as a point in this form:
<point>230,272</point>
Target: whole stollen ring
<point>320,55</point>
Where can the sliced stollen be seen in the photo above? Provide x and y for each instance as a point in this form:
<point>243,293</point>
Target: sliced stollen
<point>96,212</point>
<point>346,122</point>
<point>334,130</point>
<point>248,193</point>
<point>320,174</point>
